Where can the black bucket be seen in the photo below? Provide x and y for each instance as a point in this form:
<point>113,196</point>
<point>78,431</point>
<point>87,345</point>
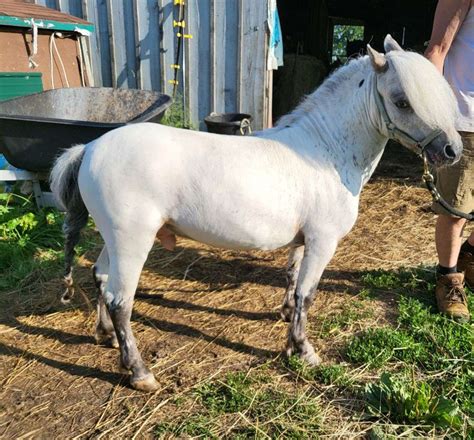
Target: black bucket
<point>229,123</point>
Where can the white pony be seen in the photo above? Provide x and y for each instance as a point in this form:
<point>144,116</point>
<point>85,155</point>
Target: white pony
<point>295,185</point>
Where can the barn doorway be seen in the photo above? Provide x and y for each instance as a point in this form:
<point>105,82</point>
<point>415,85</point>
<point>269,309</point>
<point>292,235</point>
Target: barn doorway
<point>320,35</point>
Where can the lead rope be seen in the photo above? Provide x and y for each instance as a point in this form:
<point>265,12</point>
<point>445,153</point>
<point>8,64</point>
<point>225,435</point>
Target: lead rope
<point>428,180</point>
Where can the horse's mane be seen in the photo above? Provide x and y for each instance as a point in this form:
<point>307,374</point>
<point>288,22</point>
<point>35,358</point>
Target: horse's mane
<point>323,92</point>
<point>436,108</point>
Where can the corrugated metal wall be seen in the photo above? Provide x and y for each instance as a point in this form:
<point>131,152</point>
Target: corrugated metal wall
<point>135,41</point>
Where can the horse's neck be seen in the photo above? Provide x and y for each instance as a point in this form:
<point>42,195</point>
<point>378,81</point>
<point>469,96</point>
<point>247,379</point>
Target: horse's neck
<point>338,122</point>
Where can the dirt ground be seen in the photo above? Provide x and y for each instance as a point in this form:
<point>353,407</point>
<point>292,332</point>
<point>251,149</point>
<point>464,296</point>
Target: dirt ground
<point>199,312</point>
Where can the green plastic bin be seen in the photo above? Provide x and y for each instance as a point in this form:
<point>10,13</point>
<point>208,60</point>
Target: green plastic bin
<point>14,84</point>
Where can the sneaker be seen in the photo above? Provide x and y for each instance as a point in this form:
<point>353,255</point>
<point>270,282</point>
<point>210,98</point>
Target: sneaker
<point>466,265</point>
<point>451,297</point>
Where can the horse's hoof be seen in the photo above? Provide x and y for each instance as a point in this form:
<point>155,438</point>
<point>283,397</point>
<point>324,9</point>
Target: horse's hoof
<point>147,383</point>
<point>307,354</point>
<point>311,358</point>
<point>286,313</point>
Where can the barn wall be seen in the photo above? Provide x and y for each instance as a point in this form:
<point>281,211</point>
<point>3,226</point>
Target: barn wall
<point>134,47</point>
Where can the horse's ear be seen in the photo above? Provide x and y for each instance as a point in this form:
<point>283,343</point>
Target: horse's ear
<point>378,60</point>
<point>390,44</point>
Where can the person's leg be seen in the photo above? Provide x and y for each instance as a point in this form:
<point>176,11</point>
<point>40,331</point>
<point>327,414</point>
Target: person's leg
<point>448,237</point>
<point>456,185</point>
<point>450,294</point>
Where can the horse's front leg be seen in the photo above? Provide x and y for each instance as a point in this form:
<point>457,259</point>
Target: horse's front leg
<point>317,255</point>
<point>292,271</point>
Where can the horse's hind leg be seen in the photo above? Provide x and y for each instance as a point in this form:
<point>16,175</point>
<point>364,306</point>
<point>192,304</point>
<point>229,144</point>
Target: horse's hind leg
<point>127,253</point>
<point>292,271</point>
<point>104,331</point>
<point>75,220</point>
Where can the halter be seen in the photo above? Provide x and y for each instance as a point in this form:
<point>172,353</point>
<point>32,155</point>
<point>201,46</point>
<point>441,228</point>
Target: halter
<point>395,133</point>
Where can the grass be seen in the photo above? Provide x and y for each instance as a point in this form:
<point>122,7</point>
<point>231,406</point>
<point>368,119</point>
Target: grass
<point>434,357</point>
<point>31,242</point>
<point>242,406</point>
<point>411,402</point>
<point>350,314</point>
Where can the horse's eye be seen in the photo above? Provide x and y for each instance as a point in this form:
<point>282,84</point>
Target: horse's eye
<point>402,104</point>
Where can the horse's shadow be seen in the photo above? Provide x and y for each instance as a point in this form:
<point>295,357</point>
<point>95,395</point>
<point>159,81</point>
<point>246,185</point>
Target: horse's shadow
<point>226,274</point>
<point>69,368</point>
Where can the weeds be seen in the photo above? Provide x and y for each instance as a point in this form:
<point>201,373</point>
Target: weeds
<point>411,402</point>
<point>349,314</point>
<point>231,395</point>
<point>31,241</point>
<point>177,116</point>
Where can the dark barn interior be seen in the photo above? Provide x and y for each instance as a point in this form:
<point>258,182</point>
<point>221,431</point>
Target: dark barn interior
<point>308,31</point>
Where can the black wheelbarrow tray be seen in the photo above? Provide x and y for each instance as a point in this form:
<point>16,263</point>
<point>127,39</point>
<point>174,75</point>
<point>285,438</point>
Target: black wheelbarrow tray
<point>34,129</point>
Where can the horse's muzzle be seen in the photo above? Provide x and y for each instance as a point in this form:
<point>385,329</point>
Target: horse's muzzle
<point>443,151</point>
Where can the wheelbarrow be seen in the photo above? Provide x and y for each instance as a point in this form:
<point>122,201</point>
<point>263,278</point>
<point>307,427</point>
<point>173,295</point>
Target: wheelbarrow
<point>34,129</point>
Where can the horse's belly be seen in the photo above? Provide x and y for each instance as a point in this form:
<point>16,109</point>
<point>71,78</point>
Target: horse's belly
<point>258,236</point>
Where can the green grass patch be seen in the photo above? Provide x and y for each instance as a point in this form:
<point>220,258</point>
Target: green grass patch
<point>350,314</point>
<point>242,406</point>
<point>401,281</point>
<point>228,396</point>
<point>325,374</point>
<point>31,242</point>
<point>193,426</point>
<point>435,349</point>
<point>378,346</point>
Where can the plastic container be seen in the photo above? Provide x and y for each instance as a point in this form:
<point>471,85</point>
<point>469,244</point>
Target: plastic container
<point>229,123</point>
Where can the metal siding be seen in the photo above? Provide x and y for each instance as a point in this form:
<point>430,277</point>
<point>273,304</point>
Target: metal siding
<point>122,36</point>
<point>101,10</point>
<point>90,13</point>
<point>135,42</point>
<point>198,60</point>
<point>253,16</point>
<point>73,7</point>
<point>226,54</point>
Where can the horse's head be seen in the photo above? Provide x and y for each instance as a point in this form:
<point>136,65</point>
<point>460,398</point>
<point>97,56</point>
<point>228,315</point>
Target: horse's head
<point>416,104</point>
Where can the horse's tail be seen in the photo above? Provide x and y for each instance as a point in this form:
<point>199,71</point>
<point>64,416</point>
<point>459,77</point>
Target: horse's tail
<point>65,187</point>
